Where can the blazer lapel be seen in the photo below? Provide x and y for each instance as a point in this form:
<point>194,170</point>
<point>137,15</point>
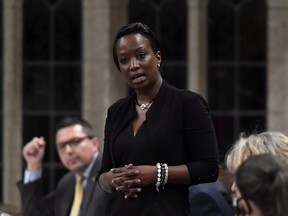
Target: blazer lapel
<point>127,116</point>
<point>124,116</point>
<point>91,185</point>
<point>65,197</point>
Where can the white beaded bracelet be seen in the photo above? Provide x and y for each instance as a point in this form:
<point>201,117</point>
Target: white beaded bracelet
<point>165,175</point>
<point>162,175</point>
<point>159,173</point>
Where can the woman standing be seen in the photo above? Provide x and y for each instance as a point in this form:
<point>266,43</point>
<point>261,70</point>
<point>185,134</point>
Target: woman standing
<point>158,140</point>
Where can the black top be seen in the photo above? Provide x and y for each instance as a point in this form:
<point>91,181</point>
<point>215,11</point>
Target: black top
<point>178,130</point>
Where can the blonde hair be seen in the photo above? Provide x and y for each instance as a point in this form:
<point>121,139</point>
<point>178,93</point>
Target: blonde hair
<point>275,143</point>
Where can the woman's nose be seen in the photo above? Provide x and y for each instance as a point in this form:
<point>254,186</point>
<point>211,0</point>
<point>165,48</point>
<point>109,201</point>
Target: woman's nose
<point>134,64</point>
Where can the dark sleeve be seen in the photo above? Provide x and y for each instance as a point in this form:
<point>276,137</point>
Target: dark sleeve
<point>33,201</point>
<point>203,204</point>
<point>205,200</point>
<point>201,139</point>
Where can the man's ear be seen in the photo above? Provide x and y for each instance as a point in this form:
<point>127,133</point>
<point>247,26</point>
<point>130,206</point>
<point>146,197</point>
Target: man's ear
<point>96,142</point>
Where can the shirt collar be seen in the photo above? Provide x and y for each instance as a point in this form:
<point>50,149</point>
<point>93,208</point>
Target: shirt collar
<point>87,171</point>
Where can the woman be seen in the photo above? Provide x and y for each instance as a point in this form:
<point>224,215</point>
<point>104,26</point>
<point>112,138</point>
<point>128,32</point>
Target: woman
<point>159,140</point>
<point>262,186</point>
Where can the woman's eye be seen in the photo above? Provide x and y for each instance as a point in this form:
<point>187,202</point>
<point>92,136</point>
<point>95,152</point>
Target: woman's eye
<point>141,55</point>
<point>123,60</point>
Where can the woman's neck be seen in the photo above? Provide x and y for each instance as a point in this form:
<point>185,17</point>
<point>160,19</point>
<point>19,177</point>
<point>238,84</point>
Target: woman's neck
<point>150,93</point>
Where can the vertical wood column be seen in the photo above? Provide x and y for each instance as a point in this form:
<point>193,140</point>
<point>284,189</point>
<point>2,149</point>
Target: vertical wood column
<point>12,100</point>
<point>197,46</point>
<point>277,73</point>
<point>101,82</point>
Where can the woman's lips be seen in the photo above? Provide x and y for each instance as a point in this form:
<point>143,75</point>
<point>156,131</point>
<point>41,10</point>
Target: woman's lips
<point>138,79</point>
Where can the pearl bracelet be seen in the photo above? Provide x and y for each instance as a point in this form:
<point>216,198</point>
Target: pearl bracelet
<point>165,175</point>
<point>158,183</point>
<point>162,175</point>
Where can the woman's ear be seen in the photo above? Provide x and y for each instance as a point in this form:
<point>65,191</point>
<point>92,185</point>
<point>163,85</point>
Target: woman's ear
<point>158,56</point>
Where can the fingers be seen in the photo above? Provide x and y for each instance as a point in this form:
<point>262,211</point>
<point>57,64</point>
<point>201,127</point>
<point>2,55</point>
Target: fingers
<point>127,183</point>
<point>128,196</point>
<point>132,194</point>
<point>33,153</point>
<point>36,144</point>
<point>126,171</point>
<point>41,142</point>
<point>129,166</point>
<point>130,179</point>
<point>126,180</point>
<point>129,191</point>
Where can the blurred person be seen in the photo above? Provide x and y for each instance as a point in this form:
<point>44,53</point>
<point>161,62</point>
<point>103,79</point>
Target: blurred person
<point>262,186</point>
<point>216,196</point>
<point>78,149</point>
<point>158,140</point>
<point>270,142</point>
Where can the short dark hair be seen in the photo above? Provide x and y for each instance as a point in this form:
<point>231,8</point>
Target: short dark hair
<point>136,28</point>
<point>263,179</point>
<point>69,121</point>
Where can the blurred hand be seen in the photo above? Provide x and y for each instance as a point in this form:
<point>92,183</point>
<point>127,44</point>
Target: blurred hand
<point>33,153</point>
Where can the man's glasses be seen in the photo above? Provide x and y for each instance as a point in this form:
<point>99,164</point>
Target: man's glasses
<point>73,143</point>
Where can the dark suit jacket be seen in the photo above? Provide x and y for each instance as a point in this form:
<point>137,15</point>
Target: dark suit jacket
<point>59,201</point>
<point>210,199</point>
<point>178,130</point>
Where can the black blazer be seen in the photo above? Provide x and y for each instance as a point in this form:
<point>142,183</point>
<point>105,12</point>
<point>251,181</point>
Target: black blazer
<point>59,201</point>
<point>178,130</point>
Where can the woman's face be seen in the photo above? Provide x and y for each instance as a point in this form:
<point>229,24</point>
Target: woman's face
<point>137,61</point>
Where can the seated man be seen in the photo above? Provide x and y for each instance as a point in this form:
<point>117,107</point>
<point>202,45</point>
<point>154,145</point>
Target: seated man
<point>78,150</point>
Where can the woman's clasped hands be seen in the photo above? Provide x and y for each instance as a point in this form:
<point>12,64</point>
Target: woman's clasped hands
<point>131,179</point>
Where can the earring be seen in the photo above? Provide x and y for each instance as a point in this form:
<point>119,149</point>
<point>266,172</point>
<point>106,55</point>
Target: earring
<point>158,65</point>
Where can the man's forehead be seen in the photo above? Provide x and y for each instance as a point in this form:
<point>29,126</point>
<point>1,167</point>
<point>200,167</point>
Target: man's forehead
<point>69,132</point>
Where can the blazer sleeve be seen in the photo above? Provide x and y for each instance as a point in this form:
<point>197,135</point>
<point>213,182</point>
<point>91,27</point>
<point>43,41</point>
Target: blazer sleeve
<point>33,201</point>
<point>200,139</point>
